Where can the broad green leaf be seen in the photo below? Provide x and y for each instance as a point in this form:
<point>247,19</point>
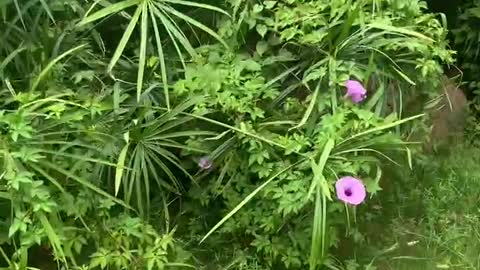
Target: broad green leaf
<point>261,30</point>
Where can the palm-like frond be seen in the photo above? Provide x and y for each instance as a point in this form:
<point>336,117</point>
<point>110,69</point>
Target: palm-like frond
<point>147,12</point>
<point>148,155</point>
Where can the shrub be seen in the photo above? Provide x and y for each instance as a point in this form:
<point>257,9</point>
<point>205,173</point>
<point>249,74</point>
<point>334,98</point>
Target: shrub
<point>113,140</point>
<point>289,133</point>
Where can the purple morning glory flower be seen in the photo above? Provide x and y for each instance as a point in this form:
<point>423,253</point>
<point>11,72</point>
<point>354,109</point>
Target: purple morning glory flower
<point>355,91</point>
<point>205,163</point>
<point>350,190</point>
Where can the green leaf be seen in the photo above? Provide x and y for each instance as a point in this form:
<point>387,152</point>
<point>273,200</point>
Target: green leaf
<point>10,57</point>
<point>143,49</point>
<point>17,225</point>
<point>52,236</point>
<point>400,30</point>
<point>84,183</point>
<point>318,248</point>
<point>257,8</point>
<point>195,23</point>
<point>200,5</point>
<point>161,57</point>
<point>111,9</point>
<point>261,29</point>
<point>385,126</point>
<point>245,201</point>
<point>373,186</point>
<point>310,107</point>
<point>120,168</point>
<point>261,47</point>
<point>269,4</point>
<point>44,72</point>
<point>125,37</point>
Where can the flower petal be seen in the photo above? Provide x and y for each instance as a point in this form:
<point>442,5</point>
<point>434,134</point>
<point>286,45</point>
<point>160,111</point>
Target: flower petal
<point>350,190</point>
<point>355,91</point>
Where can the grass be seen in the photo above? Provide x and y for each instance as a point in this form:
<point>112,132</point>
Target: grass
<point>436,225</point>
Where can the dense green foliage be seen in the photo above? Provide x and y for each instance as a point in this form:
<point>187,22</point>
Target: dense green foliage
<point>466,36</point>
<point>148,134</point>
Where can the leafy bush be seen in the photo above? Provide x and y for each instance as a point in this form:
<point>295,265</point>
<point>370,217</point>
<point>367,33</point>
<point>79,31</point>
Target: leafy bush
<point>125,150</point>
<point>277,169</point>
<point>466,36</point>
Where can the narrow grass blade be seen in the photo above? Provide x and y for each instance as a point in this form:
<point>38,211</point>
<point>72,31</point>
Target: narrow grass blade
<point>20,15</point>
<point>355,150</point>
<point>174,31</point>
<point>245,132</point>
<point>114,8</point>
<point>146,181</point>
<point>199,5</point>
<point>44,72</point>
<point>47,176</point>
<point>137,168</point>
<point>317,250</point>
<point>155,159</point>
<point>309,110</point>
<point>156,129</point>
<point>84,183</point>
<point>47,9</point>
<point>316,253</point>
<point>379,93</point>
<point>280,76</point>
<point>188,133</point>
<point>172,159</point>
<point>409,158</point>
<point>10,57</point>
<point>120,168</point>
<point>245,201</point>
<point>318,168</point>
<point>160,182</point>
<point>176,265</point>
<point>404,76</point>
<point>123,41</point>
<point>195,23</point>
<point>399,30</point>
<point>51,235</point>
<point>177,145</point>
<point>161,57</point>
<point>143,49</point>
<point>78,157</point>
<point>386,126</point>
